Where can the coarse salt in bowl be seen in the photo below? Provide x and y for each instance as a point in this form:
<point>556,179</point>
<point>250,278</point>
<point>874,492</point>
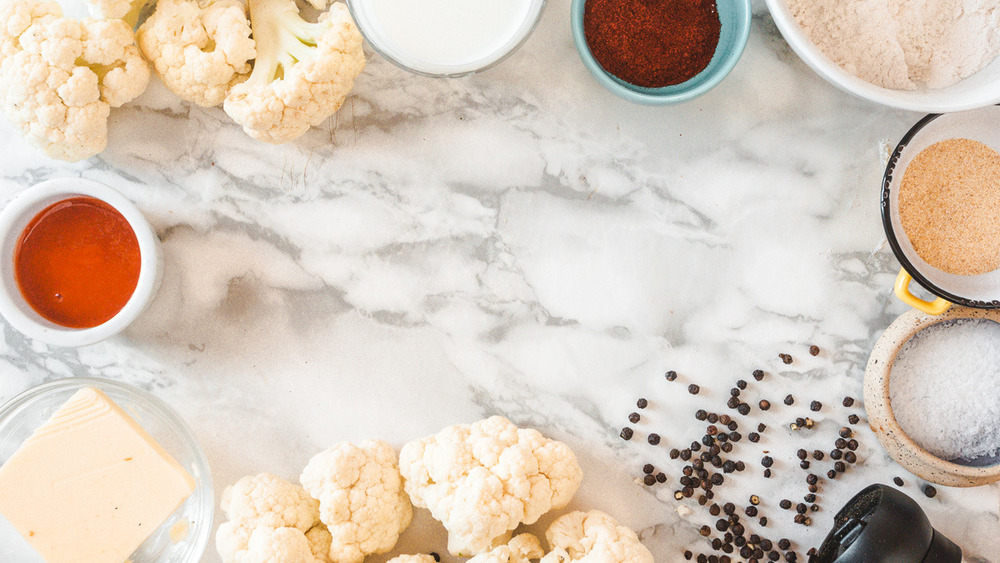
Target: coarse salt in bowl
<point>18,215</point>
<point>882,419</point>
<point>977,90</point>
<point>446,38</point>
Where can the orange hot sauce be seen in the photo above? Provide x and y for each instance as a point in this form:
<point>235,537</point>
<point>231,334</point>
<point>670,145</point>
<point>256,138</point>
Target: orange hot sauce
<point>77,262</point>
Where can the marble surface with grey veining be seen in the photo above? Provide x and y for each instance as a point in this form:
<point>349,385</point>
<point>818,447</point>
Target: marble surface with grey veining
<point>519,242</point>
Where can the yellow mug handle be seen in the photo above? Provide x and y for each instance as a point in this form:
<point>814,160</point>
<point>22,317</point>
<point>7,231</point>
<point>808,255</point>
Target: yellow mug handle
<point>902,291</point>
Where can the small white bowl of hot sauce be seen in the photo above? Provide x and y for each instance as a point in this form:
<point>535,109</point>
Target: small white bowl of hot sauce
<point>79,262</point>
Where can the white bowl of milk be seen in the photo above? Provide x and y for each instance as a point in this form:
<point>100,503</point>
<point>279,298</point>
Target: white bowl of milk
<point>445,37</point>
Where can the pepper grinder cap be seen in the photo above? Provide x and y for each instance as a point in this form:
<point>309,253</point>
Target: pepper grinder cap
<point>883,525</point>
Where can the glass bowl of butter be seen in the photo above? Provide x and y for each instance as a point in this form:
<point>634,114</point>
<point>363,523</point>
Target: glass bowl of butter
<point>100,471</point>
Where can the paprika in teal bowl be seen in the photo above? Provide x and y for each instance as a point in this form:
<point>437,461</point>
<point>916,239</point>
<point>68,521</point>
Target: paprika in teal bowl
<point>660,53</point>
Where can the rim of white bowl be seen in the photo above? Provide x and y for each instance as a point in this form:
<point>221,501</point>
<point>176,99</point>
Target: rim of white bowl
<point>437,70</point>
<point>15,217</point>
<point>927,101</point>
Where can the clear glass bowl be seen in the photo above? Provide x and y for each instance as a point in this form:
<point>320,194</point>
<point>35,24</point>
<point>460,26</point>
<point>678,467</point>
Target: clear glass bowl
<point>361,12</point>
<point>20,416</point>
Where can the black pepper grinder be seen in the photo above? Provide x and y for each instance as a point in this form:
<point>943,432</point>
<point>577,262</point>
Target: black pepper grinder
<point>883,525</point>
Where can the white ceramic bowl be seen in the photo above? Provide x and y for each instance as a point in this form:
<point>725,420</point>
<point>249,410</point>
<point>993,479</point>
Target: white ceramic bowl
<point>16,216</point>
<point>20,416</point>
<point>980,89</point>
<point>882,421</point>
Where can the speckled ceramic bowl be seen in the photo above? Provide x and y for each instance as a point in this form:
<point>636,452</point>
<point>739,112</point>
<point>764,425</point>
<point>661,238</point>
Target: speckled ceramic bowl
<point>904,450</point>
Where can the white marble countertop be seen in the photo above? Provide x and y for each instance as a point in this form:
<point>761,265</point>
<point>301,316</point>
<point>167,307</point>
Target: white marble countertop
<point>522,243</point>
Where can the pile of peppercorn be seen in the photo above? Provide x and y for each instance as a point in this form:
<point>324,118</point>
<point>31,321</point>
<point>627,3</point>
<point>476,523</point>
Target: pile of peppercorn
<point>713,456</point>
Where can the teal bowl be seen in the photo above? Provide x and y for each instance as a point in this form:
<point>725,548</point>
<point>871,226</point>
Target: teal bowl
<point>734,15</point>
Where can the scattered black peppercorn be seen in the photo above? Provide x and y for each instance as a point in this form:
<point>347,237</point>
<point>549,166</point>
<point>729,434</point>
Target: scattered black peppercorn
<point>675,453</point>
<point>653,439</point>
<point>751,511</point>
<point>930,491</point>
<point>897,481</point>
<point>733,402</point>
<point>809,498</point>
<point>810,423</point>
<point>705,531</point>
<point>853,419</point>
<point>804,464</point>
<point>831,474</point>
<point>701,414</point>
<point>671,375</point>
<point>649,480</point>
<point>753,437</point>
<point>785,358</point>
<point>713,418</point>
<point>754,500</point>
<point>801,508</point>
<point>688,555</point>
<point>714,510</point>
<point>813,488</point>
<point>845,432</point>
<point>840,443</point>
<point>852,444</point>
<point>743,409</point>
<point>814,350</point>
<point>848,402</point>
<point>648,468</point>
<point>784,544</point>
<point>661,477</point>
<point>767,473</point>
<point>740,466</point>
<point>693,389</point>
<point>764,404</point>
<point>626,433</point>
<point>850,457</point>
<point>729,508</point>
<point>642,403</point>
<point>811,479</point>
<point>763,521</point>
<point>815,406</point>
<point>840,467</point>
<point>818,455</point>
<point>758,374</point>
<point>766,461</point>
<point>789,400</point>
<point>801,454</point>
<point>741,383</point>
<point>735,392</point>
<point>633,417</point>
<point>761,427</point>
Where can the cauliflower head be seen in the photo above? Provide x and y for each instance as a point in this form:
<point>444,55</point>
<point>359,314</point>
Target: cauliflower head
<point>62,76</point>
<point>199,52</point>
<point>413,559</point>
<point>520,549</point>
<point>593,537</point>
<point>483,480</point>
<point>361,498</point>
<point>302,73</point>
<point>270,521</point>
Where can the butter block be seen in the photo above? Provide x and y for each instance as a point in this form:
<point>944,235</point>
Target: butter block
<point>90,485</point>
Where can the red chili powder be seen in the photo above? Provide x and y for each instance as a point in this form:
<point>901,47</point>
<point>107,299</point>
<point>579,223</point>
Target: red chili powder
<point>652,43</point>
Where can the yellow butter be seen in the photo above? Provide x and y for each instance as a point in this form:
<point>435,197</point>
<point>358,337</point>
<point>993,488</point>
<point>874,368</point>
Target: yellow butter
<point>90,485</point>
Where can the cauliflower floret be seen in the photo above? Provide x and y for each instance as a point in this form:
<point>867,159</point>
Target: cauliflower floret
<point>361,498</point>
<point>520,549</point>
<point>483,480</point>
<point>593,537</point>
<point>199,52</point>
<point>413,559</point>
<point>270,521</point>
<point>62,76</point>
<point>302,73</point>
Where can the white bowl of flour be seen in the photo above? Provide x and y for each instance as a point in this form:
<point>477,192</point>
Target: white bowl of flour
<point>936,56</point>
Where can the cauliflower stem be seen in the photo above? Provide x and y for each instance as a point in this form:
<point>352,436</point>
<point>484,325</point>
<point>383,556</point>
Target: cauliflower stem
<point>283,39</point>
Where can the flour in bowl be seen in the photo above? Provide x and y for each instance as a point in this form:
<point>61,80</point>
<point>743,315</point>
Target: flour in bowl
<point>904,44</point>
